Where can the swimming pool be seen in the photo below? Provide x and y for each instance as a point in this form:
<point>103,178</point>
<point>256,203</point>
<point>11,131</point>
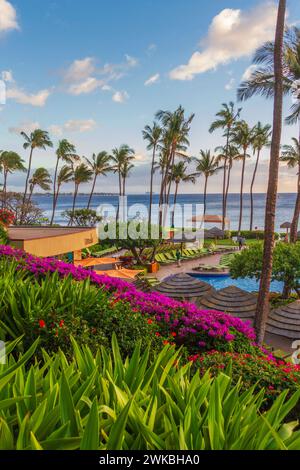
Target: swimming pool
<point>220,281</point>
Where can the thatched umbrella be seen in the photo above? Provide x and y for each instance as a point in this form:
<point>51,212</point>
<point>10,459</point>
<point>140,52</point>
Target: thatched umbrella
<point>184,287</point>
<point>285,321</point>
<point>232,300</point>
<point>287,226</point>
<point>215,233</point>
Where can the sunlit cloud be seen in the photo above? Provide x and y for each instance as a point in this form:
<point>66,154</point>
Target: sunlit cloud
<point>232,34</point>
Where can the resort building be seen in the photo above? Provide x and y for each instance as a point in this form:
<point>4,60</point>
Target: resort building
<point>49,242</point>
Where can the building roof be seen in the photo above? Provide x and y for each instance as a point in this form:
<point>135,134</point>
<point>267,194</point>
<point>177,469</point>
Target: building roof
<point>211,219</point>
<point>35,233</point>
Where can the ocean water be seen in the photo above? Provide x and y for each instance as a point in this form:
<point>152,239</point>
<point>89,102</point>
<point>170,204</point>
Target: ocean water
<point>285,206</point>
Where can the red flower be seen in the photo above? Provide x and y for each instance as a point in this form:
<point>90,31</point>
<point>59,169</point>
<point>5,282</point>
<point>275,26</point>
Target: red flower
<point>157,334</point>
<point>61,323</point>
<point>150,322</point>
<point>166,342</point>
<point>42,324</point>
<point>173,334</point>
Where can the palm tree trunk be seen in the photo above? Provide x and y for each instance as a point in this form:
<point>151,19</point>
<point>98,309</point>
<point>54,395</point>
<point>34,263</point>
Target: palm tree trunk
<point>263,305</point>
<point>30,192</point>
<point>175,200</point>
<point>27,181</point>
<point>54,190</point>
<point>242,192</point>
<point>74,204</point>
<point>92,191</point>
<point>227,186</point>
<point>120,194</point>
<point>224,180</point>
<point>4,188</point>
<point>251,190</point>
<point>205,195</point>
<point>151,185</point>
<point>55,202</point>
<point>295,223</point>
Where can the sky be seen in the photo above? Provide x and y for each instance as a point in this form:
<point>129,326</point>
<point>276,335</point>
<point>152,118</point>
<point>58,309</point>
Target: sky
<point>96,72</point>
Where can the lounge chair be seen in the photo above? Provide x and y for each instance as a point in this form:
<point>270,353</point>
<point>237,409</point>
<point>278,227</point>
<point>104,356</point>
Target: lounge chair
<point>160,258</point>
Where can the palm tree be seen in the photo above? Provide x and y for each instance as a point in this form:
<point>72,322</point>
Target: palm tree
<point>226,119</point>
<point>176,128</point>
<point>262,79</point>
<point>40,178</point>
<point>206,165</point>
<point>263,305</point>
<point>9,162</point>
<point>121,157</point>
<point>261,139</point>
<point>65,152</point>
<point>65,175</point>
<point>242,136</point>
<point>126,168</point>
<point>38,139</point>
<point>100,166</point>
<point>227,156</point>
<point>81,174</point>
<point>291,155</point>
<point>179,175</point>
<point>153,136</point>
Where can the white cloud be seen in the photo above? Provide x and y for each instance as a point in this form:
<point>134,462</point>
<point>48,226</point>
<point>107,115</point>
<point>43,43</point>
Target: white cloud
<point>25,126</point>
<point>131,61</point>
<point>86,87</point>
<point>230,84</point>
<point>73,125</point>
<point>8,17</point>
<point>55,130</point>
<point>120,97</point>
<point>232,34</point>
<point>7,76</point>
<point>80,70</point>
<point>248,72</point>
<point>151,48</point>
<point>153,79</point>
<point>84,77</point>
<point>38,99</point>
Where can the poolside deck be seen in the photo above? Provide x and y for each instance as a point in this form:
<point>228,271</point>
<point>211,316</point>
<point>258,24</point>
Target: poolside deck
<point>186,266</point>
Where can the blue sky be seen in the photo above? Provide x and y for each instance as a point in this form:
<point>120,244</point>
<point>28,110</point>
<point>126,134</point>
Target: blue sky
<point>95,72</point>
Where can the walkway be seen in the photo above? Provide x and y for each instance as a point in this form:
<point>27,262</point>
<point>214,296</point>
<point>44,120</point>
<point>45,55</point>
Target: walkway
<point>186,266</point>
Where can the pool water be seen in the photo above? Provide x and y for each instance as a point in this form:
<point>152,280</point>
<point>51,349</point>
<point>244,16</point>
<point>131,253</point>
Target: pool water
<point>224,280</point>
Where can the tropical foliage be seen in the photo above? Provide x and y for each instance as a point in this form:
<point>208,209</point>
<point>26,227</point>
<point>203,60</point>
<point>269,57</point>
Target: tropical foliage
<point>103,402</point>
<point>286,267</point>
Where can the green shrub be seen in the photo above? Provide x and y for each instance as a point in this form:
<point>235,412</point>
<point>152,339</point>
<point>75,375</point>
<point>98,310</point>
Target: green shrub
<point>3,236</point>
<point>252,235</point>
<point>102,402</point>
<point>286,265</point>
<point>261,372</point>
<point>55,308</point>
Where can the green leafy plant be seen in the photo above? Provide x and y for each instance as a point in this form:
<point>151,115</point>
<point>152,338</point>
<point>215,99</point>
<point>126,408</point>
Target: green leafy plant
<point>273,375</point>
<point>54,309</point>
<point>286,266</point>
<point>102,402</point>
